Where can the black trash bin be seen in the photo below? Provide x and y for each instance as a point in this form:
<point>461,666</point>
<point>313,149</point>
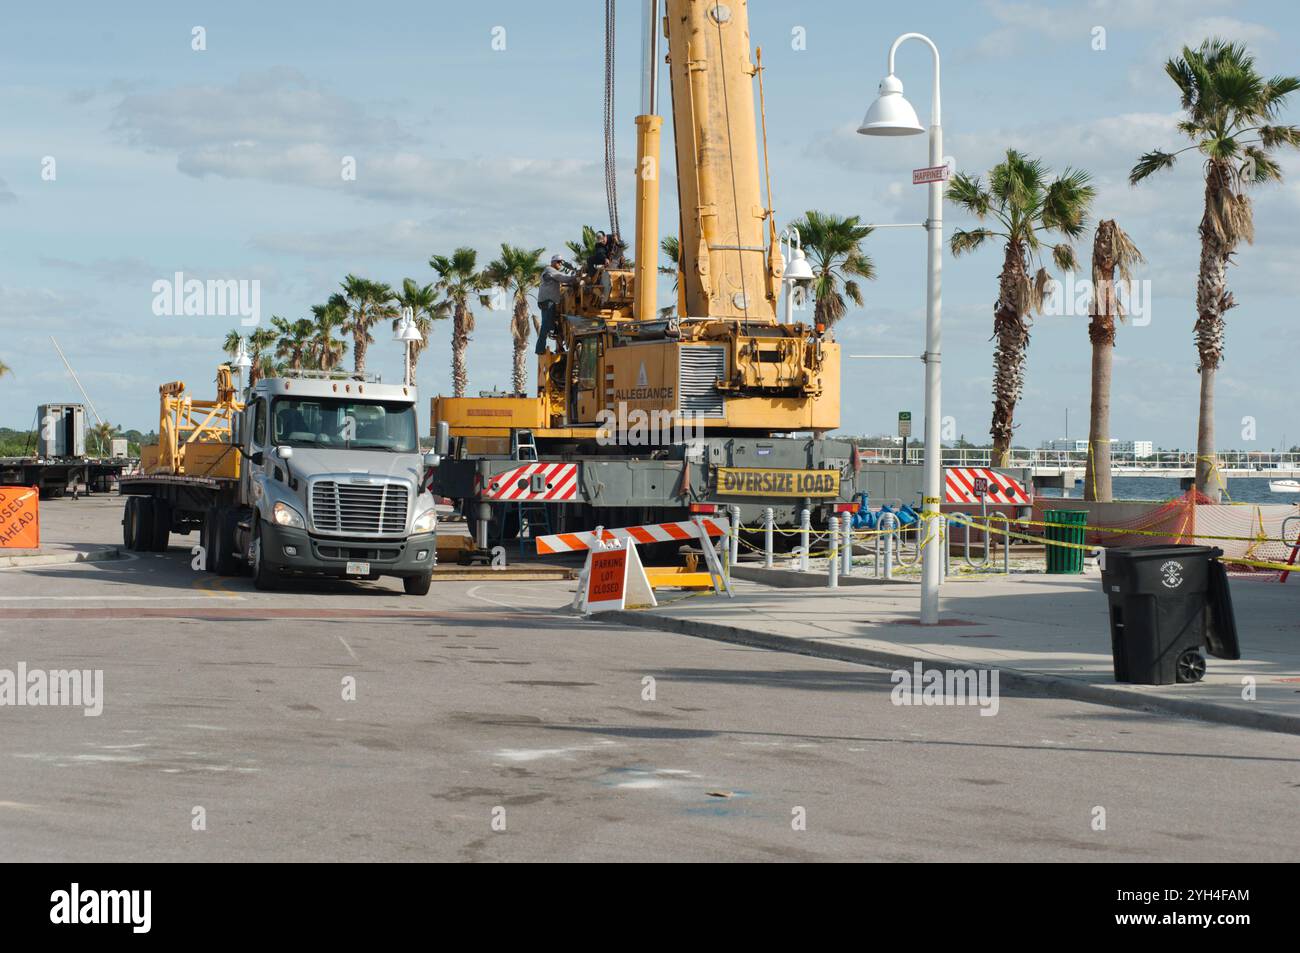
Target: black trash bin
<point>1167,605</point>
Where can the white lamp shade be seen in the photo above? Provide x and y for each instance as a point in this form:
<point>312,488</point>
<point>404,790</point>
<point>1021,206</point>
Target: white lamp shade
<point>890,114</point>
<point>799,269</point>
<point>407,331</point>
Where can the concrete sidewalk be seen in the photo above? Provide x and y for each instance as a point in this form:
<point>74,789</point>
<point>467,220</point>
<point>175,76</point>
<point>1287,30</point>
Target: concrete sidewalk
<point>1051,631</point>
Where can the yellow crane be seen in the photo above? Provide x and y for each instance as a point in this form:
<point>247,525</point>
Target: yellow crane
<point>648,395</point>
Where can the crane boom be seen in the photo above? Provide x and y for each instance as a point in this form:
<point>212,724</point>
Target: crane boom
<point>727,270</point>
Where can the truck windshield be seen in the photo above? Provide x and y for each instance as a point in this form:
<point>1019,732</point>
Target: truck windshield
<point>343,424</point>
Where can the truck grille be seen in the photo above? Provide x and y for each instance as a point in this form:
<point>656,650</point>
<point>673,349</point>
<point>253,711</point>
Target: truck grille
<point>699,369</point>
<point>365,508</point>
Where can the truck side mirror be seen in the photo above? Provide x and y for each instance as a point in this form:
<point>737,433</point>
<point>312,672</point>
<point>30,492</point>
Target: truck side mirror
<point>257,458</point>
<point>442,443</point>
<point>432,459</point>
<point>284,453</point>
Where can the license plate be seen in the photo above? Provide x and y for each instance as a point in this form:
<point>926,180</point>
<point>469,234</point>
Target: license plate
<point>358,569</point>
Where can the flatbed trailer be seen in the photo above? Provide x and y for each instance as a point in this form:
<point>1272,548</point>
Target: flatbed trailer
<point>160,504</point>
<point>64,476</point>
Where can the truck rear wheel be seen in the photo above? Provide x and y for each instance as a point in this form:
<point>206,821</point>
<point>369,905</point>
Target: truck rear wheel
<point>128,523</point>
<point>417,585</point>
<point>162,525</point>
<point>207,534</point>
<point>142,524</point>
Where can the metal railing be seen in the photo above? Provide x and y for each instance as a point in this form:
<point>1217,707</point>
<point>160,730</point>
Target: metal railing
<point>1078,459</point>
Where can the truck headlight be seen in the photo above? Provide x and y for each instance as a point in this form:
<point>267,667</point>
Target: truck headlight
<point>286,515</point>
<point>425,522</point>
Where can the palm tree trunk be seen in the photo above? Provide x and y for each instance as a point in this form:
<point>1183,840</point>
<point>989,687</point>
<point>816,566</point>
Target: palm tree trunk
<point>1008,356</point>
<point>1097,483</point>
<point>1207,480</point>
<point>359,352</point>
<point>1212,300</point>
<point>520,329</point>
<point>459,344</point>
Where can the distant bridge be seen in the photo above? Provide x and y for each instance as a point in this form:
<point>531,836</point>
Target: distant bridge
<point>1056,467</point>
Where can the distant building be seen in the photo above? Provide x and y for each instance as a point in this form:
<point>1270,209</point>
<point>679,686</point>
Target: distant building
<point>1138,448</point>
<point>1062,444</point>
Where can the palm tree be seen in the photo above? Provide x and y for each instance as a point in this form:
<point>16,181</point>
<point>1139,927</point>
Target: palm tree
<point>672,247</point>
<point>1028,210</point>
<point>262,364</point>
<point>327,351</point>
<point>103,432</point>
<point>425,308</point>
<point>584,247</point>
<point>833,244</point>
<point>459,281</point>
<point>259,343</point>
<point>368,302</point>
<point>519,272</point>
<point>295,340</point>
<point>1229,116</point>
<point>1111,250</point>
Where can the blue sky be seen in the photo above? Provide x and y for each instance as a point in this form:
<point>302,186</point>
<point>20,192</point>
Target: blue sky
<point>224,163</point>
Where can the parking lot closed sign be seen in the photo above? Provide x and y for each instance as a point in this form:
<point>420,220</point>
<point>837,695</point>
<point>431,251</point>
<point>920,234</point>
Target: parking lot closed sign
<point>606,579</point>
<point>20,518</point>
<point>738,481</point>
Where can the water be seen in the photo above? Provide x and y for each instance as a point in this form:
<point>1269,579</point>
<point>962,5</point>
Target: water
<point>1240,490</point>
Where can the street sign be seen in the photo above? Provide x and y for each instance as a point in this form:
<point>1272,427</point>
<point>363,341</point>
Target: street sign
<point>905,423</point>
<point>934,173</point>
<point>981,487</point>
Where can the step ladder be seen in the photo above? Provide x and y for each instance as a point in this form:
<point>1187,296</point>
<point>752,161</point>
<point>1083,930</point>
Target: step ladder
<point>522,445</point>
<point>534,521</point>
<point>532,517</point>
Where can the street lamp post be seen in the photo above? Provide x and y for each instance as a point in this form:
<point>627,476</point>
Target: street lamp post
<point>408,333</point>
<point>892,115</point>
<point>795,270</point>
<point>241,364</point>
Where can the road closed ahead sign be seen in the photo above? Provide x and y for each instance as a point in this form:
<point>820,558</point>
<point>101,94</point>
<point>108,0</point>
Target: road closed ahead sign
<point>20,518</point>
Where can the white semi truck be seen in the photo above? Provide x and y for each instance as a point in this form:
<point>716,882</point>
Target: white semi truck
<point>312,476</point>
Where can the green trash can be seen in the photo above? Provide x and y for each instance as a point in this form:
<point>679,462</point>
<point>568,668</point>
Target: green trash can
<point>1065,526</point>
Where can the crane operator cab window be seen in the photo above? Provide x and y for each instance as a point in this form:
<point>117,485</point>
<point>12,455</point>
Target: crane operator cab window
<point>344,424</point>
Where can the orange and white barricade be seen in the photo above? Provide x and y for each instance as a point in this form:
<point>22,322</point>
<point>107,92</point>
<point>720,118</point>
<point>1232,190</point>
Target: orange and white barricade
<point>613,576</point>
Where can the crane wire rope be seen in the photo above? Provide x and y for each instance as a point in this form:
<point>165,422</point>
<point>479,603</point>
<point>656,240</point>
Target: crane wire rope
<point>611,163</point>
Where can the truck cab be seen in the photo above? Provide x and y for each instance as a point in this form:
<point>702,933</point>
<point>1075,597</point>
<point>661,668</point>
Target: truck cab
<point>333,482</point>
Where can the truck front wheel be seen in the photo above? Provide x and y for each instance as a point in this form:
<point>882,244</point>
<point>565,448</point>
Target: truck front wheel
<point>264,576</point>
<point>417,585</point>
<point>223,558</point>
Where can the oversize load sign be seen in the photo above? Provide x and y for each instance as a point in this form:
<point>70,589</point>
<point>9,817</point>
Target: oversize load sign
<point>20,523</point>
<point>736,481</point>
